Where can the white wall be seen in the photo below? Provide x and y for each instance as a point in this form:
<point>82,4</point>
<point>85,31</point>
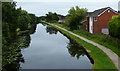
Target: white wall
<point>91,24</point>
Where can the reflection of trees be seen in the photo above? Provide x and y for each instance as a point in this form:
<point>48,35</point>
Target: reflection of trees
<point>51,30</point>
<point>75,49</point>
<point>24,41</point>
<point>13,66</point>
<point>12,55</point>
<point>33,28</point>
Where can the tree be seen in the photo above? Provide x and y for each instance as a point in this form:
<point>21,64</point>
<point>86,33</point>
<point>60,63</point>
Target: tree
<point>75,16</point>
<point>51,17</point>
<point>33,23</point>
<point>24,20</point>
<point>33,18</point>
<point>114,27</point>
<point>14,19</point>
<point>10,16</point>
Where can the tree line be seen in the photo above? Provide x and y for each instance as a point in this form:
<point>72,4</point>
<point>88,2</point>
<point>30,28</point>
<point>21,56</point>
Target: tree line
<point>17,25</point>
<point>51,17</point>
<point>15,20</point>
<point>73,19</point>
<point>76,15</point>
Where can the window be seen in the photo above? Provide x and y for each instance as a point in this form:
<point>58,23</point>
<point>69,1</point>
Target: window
<point>95,18</point>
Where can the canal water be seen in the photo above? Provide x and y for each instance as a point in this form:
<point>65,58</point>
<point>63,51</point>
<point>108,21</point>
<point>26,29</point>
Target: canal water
<point>50,49</point>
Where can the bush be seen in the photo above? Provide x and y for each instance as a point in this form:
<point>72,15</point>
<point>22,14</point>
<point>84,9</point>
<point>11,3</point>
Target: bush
<point>114,27</point>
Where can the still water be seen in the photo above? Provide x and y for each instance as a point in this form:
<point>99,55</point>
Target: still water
<point>49,49</point>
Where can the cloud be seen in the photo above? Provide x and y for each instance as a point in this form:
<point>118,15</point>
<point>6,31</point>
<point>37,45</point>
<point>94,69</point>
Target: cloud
<point>66,0</point>
<point>41,8</point>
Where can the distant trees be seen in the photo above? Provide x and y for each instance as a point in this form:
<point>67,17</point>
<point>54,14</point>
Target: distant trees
<point>114,27</point>
<point>52,17</point>
<point>75,16</point>
<point>41,18</point>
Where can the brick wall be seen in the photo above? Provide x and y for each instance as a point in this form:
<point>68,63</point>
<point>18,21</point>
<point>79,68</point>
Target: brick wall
<point>103,20</point>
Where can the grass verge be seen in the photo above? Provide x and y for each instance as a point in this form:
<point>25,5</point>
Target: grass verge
<point>101,60</point>
<point>107,41</point>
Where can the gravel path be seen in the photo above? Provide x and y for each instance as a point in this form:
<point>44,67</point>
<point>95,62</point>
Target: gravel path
<point>114,57</point>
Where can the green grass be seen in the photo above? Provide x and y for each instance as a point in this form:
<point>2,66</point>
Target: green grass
<point>107,41</point>
<point>101,60</point>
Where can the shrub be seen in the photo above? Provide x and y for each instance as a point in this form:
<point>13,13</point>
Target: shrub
<point>114,27</point>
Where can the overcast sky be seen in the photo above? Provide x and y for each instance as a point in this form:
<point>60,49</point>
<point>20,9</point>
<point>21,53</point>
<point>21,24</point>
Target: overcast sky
<point>41,7</point>
<point>67,0</point>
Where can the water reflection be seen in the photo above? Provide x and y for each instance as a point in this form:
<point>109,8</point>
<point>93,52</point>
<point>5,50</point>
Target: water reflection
<point>56,54</point>
<point>13,66</point>
<point>33,29</point>
<point>11,55</point>
<point>75,49</point>
<point>51,30</point>
<point>14,54</point>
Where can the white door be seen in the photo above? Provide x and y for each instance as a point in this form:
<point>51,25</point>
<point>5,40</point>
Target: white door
<point>91,25</point>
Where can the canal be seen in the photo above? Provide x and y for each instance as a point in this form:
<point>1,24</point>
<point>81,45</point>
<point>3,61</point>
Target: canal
<point>50,49</point>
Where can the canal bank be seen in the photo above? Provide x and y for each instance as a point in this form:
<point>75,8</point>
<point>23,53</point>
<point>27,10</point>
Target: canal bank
<point>101,59</point>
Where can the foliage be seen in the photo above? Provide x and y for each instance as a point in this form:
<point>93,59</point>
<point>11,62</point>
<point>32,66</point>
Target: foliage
<point>14,19</point>
<point>41,18</point>
<point>114,27</point>
<point>105,40</point>
<point>61,16</point>
<point>15,23</point>
<point>75,16</point>
<point>100,58</point>
<point>33,18</point>
<point>32,25</point>
<point>24,20</point>
<point>6,31</point>
<point>75,49</point>
<point>10,16</point>
<point>51,16</point>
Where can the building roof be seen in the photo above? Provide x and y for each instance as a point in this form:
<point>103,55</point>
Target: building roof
<point>98,12</point>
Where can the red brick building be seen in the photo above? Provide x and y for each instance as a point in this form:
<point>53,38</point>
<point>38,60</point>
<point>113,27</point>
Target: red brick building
<point>61,20</point>
<point>97,21</point>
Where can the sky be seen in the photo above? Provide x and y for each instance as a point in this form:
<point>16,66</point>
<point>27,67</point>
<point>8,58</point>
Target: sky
<point>67,0</point>
<point>41,7</point>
